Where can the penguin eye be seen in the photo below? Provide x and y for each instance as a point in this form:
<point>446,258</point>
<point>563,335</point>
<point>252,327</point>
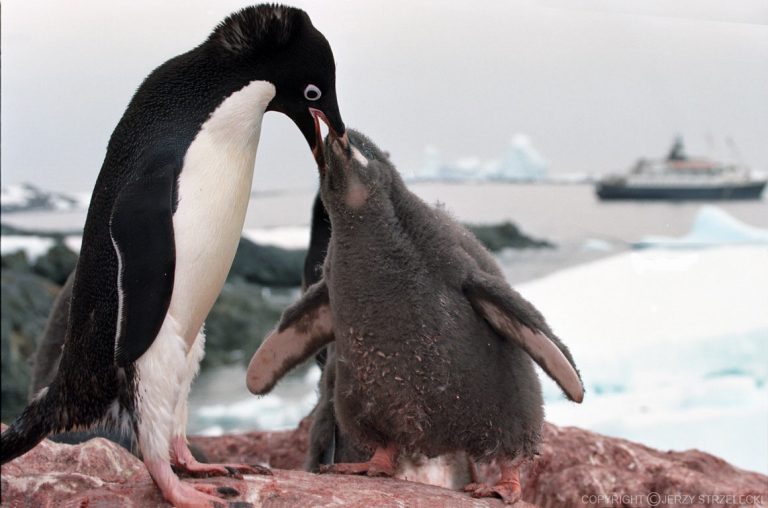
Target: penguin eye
<point>312,93</point>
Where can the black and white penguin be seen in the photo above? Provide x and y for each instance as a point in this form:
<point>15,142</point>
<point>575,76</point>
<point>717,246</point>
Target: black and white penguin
<point>161,232</point>
<point>433,350</point>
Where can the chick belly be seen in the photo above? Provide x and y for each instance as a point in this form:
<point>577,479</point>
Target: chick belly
<point>433,397</point>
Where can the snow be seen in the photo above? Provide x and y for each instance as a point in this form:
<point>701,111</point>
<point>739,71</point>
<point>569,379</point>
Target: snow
<point>82,200</point>
<point>32,246</point>
<point>288,237</point>
<point>26,197</point>
<point>73,242</point>
<point>672,345</point>
<point>712,226</point>
<point>16,195</point>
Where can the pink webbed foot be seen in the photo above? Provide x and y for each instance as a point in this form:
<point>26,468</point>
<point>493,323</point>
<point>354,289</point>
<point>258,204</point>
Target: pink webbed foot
<point>186,495</point>
<point>184,462</point>
<point>508,487</point>
<point>381,464</point>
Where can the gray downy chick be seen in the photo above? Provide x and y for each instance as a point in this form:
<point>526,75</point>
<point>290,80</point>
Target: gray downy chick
<point>327,444</point>
<point>433,348</point>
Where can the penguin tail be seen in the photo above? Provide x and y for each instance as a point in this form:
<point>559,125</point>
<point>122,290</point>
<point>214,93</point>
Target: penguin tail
<point>35,424</point>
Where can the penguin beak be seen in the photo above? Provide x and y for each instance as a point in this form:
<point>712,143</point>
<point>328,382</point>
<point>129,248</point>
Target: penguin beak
<point>317,151</point>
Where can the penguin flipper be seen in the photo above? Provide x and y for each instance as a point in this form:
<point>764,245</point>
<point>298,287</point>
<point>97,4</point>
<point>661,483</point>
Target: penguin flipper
<point>141,227</point>
<point>515,318</point>
<point>305,327</point>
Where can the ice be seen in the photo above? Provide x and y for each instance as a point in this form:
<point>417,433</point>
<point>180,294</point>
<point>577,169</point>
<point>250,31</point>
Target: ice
<point>597,244</point>
<point>32,246</point>
<point>290,237</point>
<point>672,346</point>
<point>712,226</point>
<point>656,296</point>
<point>521,161</point>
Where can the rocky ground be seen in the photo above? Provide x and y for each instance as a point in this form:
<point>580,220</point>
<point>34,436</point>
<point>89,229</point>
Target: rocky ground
<point>575,468</point>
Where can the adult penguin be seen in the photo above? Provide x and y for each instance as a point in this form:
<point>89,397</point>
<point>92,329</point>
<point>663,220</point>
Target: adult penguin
<point>162,229</point>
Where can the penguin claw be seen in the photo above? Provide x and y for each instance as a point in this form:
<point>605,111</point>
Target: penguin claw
<point>248,469</point>
<point>227,491</point>
<point>190,495</point>
<point>201,470</point>
<point>209,488</point>
<point>509,492</point>
<point>366,468</point>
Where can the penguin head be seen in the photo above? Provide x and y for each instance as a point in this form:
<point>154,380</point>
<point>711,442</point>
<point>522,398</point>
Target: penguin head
<point>280,45</point>
<point>359,174</point>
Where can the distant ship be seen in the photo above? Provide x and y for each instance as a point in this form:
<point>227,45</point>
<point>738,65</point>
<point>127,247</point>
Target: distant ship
<point>679,177</point>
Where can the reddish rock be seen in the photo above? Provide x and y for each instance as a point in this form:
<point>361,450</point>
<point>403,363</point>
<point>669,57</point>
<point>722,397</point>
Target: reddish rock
<point>576,468</point>
<point>281,449</point>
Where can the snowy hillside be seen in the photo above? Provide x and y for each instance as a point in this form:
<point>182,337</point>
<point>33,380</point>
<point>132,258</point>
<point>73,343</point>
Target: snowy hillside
<point>26,197</point>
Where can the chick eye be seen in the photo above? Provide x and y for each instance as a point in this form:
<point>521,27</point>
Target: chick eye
<point>312,93</point>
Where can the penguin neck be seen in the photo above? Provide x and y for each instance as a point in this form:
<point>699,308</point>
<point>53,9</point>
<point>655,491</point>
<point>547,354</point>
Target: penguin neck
<point>214,188</point>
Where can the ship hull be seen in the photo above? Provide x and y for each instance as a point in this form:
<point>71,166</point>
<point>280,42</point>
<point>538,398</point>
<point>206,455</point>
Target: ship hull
<point>607,191</point>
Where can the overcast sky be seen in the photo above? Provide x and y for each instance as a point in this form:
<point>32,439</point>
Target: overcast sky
<point>594,84</point>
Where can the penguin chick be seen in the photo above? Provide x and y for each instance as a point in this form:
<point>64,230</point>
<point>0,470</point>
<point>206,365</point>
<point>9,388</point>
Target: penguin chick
<point>161,232</point>
<point>433,348</point>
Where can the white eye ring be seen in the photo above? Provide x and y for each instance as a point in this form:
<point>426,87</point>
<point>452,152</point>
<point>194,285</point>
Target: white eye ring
<point>312,93</point>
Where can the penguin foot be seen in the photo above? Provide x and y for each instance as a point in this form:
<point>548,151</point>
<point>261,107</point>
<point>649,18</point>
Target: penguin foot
<point>381,464</point>
<point>508,488</point>
<point>221,490</point>
<point>186,495</point>
<point>509,492</point>
<point>185,462</point>
<point>366,468</point>
<point>200,470</point>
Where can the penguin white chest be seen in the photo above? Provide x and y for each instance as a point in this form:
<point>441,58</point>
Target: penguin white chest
<point>214,188</point>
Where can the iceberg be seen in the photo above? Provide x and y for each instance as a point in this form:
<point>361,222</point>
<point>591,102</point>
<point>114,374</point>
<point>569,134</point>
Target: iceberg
<point>712,226</point>
<point>521,162</point>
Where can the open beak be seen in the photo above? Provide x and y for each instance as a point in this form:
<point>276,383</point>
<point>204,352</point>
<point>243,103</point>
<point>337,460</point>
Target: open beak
<point>317,151</point>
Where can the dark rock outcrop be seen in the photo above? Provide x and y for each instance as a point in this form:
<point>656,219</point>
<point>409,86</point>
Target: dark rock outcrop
<point>267,265</point>
<point>25,302</point>
<point>506,235</point>
<point>241,317</point>
<point>56,264</point>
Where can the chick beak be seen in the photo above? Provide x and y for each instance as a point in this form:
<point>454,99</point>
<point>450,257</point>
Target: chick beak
<point>317,151</point>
